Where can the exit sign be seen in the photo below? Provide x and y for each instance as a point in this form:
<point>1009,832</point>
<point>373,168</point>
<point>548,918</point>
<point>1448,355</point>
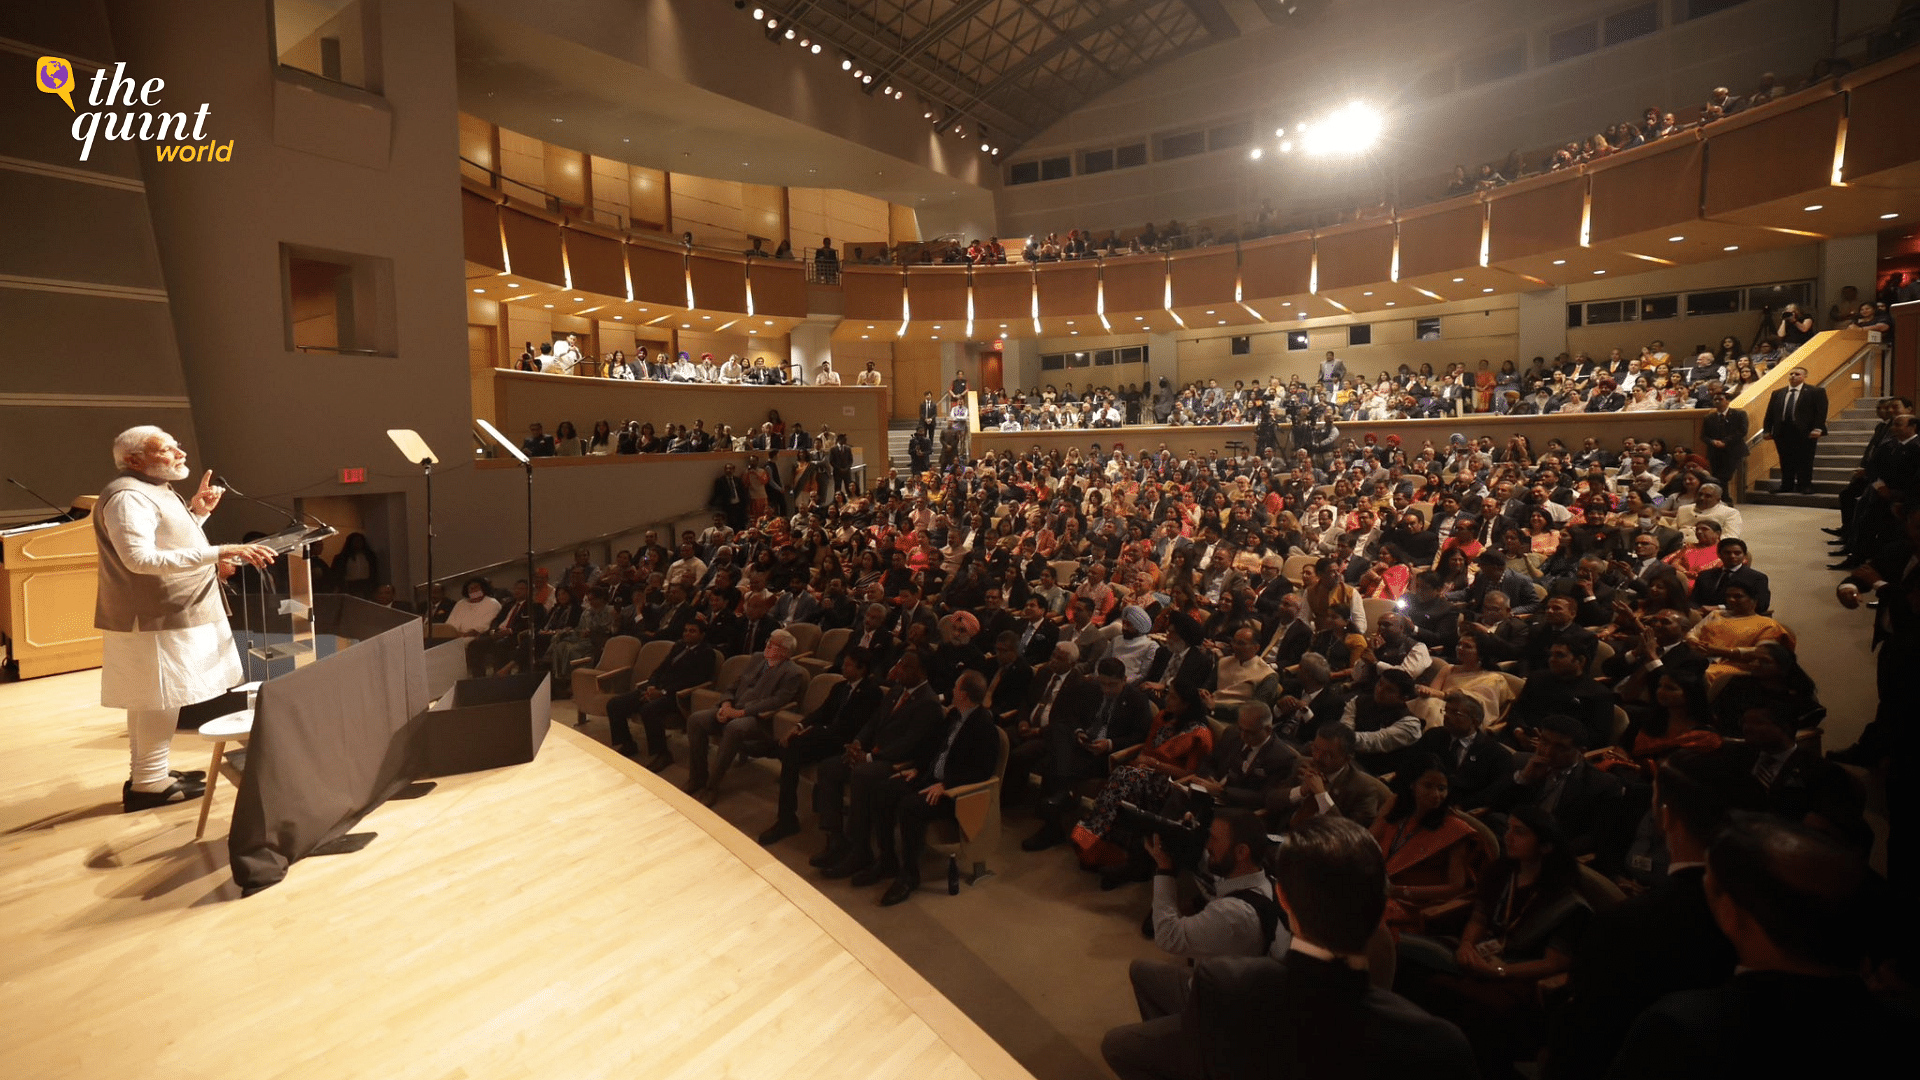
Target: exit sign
<point>356,475</point>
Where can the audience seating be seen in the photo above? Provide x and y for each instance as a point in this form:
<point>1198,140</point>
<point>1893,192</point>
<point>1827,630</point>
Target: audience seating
<point>715,692</point>
<point>814,696</point>
<point>826,650</point>
<point>594,686</point>
<point>975,828</point>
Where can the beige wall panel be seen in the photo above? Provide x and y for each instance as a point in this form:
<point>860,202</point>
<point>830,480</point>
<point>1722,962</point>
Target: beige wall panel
<point>1207,277</point>
<point>533,246</point>
<point>719,284</point>
<point>480,230</point>
<point>647,197</point>
<point>1656,188</point>
<point>1356,256</point>
<point>1750,164</point>
<point>659,274</point>
<point>596,263</point>
<point>779,287</point>
<point>937,294</point>
<point>1275,268</point>
<point>611,184</point>
<point>1883,127</point>
<point>1447,240</point>
<point>1535,216</point>
<point>523,159</point>
<point>1003,293</point>
<point>476,145</point>
<point>872,294</point>
<point>567,174</point>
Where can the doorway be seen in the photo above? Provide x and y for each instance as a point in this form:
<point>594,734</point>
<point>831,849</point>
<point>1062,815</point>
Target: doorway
<point>990,378</point>
<point>382,519</point>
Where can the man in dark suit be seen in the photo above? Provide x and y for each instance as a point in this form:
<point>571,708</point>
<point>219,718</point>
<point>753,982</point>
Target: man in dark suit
<point>1564,689</point>
<point>1657,943</point>
<point>1054,688</point>
<point>1036,634</point>
<point>1473,759</point>
<point>1724,431</point>
<point>965,751</point>
<point>1289,636</point>
<point>872,634</point>
<point>1783,779</point>
<point>840,462</point>
<point>1314,1012</point>
<point>1247,762</point>
<point>1113,716</point>
<point>729,497</point>
<point>1734,569</point>
<point>824,733</point>
<point>689,664</point>
<point>893,738</point>
<point>1795,905</point>
<point>1182,657</point>
<point>1555,625</point>
<point>1558,778</point>
<point>1009,682</point>
<point>1795,421</point>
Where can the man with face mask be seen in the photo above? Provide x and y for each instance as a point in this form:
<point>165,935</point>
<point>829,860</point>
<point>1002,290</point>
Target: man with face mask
<point>165,641</point>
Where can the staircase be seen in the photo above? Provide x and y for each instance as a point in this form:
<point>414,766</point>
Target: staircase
<point>1833,463</point>
<point>898,433</point>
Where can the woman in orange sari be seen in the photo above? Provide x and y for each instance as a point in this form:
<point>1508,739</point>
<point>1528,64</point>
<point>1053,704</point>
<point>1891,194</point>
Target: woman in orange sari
<point>1684,722</point>
<point>1483,381</point>
<point>1429,847</point>
<point>1177,742</point>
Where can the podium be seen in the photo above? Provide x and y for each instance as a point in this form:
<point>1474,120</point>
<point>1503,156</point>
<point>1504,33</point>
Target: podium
<point>49,574</point>
<point>296,605</point>
<point>334,726</point>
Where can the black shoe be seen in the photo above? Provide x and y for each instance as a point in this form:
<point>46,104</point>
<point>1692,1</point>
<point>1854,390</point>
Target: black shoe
<point>191,776</point>
<point>837,848</point>
<point>1050,835</point>
<point>898,892</point>
<point>875,874</point>
<point>781,829</point>
<point>659,762</point>
<point>629,751</point>
<point>1834,532</point>
<point>855,862</point>
<point>181,791</point>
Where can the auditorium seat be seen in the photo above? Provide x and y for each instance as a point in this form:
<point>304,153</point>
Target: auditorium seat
<point>706,697</point>
<point>975,828</point>
<point>612,675</point>
<point>829,647</point>
<point>811,698</point>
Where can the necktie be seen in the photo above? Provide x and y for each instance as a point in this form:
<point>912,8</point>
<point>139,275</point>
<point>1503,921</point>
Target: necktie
<point>1459,752</point>
<point>958,720</point>
<point>1767,768</point>
<point>1102,720</point>
<point>1793,402</point>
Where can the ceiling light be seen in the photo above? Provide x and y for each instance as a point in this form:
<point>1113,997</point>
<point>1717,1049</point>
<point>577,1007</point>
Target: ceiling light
<point>1299,128</point>
<point>898,94</point>
<point>769,322</point>
<point>686,326</point>
<point>1597,273</point>
<point>869,326</point>
<point>1280,131</point>
<point>1286,303</point>
<point>866,78</point>
<point>753,331</point>
<point>479,290</point>
<point>984,148</point>
<point>1486,290</point>
<point>579,299</point>
<point>1731,247</point>
<point>1458,280</point>
<point>957,129</point>
<point>928,115</point>
<point>559,119</point>
<point>1209,311</point>
<point>936,337</point>
<point>1888,217</point>
<point>1254,153</point>
<point>1559,262</point>
<point>1003,326</point>
<point>513,284</point>
<point>706,318</point>
<point>546,305</point>
<point>846,65</point>
<point>1136,318</point>
<point>1815,206</point>
<point>1389,303</point>
<point>772,23</point>
<point>858,72</point>
<point>1675,239</point>
<point>887,89</point>
<point>789,33</point>
<point>1350,130</point>
<point>816,48</point>
<point>864,337</point>
<point>1366,294</point>
<point>759,13</point>
<point>804,42</point>
<point>619,318</point>
<point>1223,322</point>
<point>1075,333</point>
<point>936,326</point>
<point>1286,147</point>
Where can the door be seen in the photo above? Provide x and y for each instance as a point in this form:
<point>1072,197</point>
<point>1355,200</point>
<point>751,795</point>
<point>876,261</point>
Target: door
<point>990,370</point>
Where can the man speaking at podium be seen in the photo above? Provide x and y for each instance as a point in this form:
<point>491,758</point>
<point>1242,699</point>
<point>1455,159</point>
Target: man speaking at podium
<point>165,639</point>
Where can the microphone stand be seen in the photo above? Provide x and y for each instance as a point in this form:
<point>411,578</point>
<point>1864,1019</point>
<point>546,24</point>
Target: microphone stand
<point>415,449</point>
<point>526,463</point>
<point>65,515</point>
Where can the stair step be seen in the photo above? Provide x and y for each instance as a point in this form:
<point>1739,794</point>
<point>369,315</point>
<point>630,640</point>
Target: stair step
<point>1768,498</point>
<point>1850,424</point>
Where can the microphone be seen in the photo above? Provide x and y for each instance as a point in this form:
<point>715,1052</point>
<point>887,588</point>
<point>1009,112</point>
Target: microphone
<point>290,515</point>
<point>65,515</point>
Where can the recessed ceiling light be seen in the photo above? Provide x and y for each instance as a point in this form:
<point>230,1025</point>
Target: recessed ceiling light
<point>869,326</point>
<point>686,326</point>
<point>579,299</point>
<point>753,331</point>
<point>479,290</point>
<point>1209,311</point>
<point>1675,239</point>
<point>936,326</point>
<point>1389,303</point>
<point>546,305</point>
<point>1489,289</point>
<point>706,318</point>
<point>619,318</point>
<point>1286,303</point>
<point>1888,217</point>
<point>936,337</point>
<point>1559,262</point>
<point>864,337</point>
<point>1136,318</point>
<point>1223,322</point>
<point>1731,247</point>
<point>1255,153</point>
<point>1597,273</point>
<point>1815,206</point>
<point>1003,326</point>
<point>769,322</point>
<point>643,309</point>
<point>1075,333</point>
<point>1366,294</point>
<point>513,284</point>
<point>1458,280</point>
<point>1070,321</point>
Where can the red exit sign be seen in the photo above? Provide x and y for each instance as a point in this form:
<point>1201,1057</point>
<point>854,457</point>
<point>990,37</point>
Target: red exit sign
<point>356,475</point>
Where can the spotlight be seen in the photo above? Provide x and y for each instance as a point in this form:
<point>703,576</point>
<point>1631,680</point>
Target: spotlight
<point>1350,130</point>
<point>898,94</point>
<point>759,13</point>
<point>1286,147</point>
<point>927,115</point>
<point>958,130</point>
<point>804,42</point>
<point>1280,132</point>
<point>846,65</point>
<point>983,148</point>
<point>857,72</point>
<point>1254,153</point>
<point>789,34</point>
<point>887,89</point>
<point>773,24</point>
<point>816,48</point>
<point>866,79</point>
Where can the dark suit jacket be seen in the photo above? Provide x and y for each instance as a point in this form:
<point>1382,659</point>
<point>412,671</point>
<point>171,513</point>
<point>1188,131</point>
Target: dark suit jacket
<point>899,731</point>
<point>1308,1018</point>
<point>1128,723</point>
<point>1011,693</point>
<point>1247,786</point>
<point>976,749</point>
<point>1810,416</point>
<point>1653,945</point>
<point>1584,699</point>
<point>847,710</point>
<point>684,667</point>
<point>1198,666</point>
<point>880,646</point>
<point>1488,760</point>
<point>1762,1023</point>
<point>1045,637</point>
<point>1731,429</point>
<point>1804,785</point>
<point>1587,803</point>
<point>1707,587</point>
<point>1290,645</point>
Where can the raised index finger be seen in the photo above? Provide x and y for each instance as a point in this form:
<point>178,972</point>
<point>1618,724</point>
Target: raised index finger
<point>206,480</point>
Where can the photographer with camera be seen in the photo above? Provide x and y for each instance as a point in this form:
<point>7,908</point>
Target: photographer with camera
<point>1241,918</point>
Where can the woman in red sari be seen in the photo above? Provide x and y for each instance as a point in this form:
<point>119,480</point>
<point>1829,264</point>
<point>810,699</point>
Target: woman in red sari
<point>1684,721</point>
<point>1429,847</point>
<point>1177,742</point>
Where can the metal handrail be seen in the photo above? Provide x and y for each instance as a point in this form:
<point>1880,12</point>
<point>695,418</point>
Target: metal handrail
<point>520,561</point>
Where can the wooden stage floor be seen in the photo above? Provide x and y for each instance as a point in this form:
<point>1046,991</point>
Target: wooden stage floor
<point>574,917</point>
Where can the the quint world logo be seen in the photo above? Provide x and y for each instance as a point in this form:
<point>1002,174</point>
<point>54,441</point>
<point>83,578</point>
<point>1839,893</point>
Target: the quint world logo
<point>176,136</point>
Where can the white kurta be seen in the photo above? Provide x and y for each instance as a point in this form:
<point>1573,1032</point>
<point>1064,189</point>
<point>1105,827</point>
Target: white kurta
<point>163,669</point>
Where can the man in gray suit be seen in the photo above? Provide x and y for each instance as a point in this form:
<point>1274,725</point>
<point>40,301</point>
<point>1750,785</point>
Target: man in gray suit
<point>745,719</point>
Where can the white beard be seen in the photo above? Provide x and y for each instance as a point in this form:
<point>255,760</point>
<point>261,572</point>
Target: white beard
<point>167,473</point>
